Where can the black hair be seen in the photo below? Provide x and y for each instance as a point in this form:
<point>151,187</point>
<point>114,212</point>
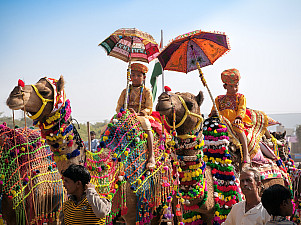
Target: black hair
<point>92,132</point>
<point>273,197</point>
<point>77,173</point>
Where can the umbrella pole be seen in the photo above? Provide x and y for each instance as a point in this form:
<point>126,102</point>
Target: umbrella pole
<point>128,77</point>
<point>205,85</point>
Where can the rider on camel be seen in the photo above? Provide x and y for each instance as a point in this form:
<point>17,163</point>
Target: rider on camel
<point>140,102</point>
<point>232,105</point>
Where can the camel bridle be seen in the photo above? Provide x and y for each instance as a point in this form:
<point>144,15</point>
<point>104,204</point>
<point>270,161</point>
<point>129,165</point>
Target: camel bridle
<point>44,103</point>
<point>187,112</point>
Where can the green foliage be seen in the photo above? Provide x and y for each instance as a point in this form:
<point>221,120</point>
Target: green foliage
<point>18,122</point>
<point>98,127</point>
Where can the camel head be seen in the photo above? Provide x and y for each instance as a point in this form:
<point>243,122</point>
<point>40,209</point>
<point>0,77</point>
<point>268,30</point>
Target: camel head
<point>183,104</point>
<point>38,99</point>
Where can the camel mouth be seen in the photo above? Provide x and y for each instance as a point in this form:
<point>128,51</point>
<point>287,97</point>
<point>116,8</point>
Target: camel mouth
<point>16,107</point>
<point>161,108</point>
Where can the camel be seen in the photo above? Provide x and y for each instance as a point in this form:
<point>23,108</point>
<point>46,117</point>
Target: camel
<point>44,102</point>
<point>169,104</point>
<point>26,168</point>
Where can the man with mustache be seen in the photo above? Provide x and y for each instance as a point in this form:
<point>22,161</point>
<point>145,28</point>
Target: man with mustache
<point>251,210</point>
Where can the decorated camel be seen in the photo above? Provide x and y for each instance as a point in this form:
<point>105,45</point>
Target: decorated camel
<point>217,154</point>
<point>118,167</point>
<point>205,193</point>
<point>31,186</point>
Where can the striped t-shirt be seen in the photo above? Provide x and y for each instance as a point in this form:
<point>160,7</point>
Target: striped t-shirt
<point>80,214</point>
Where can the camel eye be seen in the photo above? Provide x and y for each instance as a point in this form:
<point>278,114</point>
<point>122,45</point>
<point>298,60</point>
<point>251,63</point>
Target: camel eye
<point>189,105</point>
<point>45,92</point>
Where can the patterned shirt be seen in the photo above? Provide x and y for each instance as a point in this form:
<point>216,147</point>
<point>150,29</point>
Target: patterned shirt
<point>280,220</point>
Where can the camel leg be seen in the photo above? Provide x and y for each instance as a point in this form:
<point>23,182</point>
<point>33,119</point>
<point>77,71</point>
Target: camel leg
<point>131,203</point>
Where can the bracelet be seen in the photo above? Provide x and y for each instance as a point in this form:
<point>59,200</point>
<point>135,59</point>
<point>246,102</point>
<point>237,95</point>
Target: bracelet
<point>245,161</point>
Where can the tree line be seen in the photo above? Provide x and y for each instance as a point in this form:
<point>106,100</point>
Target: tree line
<point>98,127</point>
<point>82,128</point>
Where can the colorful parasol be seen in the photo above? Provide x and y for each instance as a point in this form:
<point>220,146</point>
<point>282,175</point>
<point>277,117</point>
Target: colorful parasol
<point>131,44</point>
<point>122,42</point>
<point>192,51</point>
<point>182,52</point>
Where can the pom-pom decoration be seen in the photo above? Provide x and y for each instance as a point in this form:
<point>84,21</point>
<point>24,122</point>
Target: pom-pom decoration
<point>21,83</point>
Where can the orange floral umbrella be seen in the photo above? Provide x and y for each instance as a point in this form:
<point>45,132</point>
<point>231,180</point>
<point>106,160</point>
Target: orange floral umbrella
<point>183,52</point>
<point>192,51</point>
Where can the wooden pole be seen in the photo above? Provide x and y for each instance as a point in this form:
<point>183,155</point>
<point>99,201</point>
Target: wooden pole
<point>161,47</point>
<point>89,136</point>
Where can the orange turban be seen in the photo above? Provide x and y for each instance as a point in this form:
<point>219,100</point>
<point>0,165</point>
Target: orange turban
<point>230,76</point>
<point>139,67</point>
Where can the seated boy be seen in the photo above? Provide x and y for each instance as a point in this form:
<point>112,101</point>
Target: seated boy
<point>277,200</point>
<point>233,107</point>
<point>140,102</point>
<point>84,205</point>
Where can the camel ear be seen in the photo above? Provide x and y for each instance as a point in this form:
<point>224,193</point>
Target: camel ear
<point>200,98</point>
<point>60,84</point>
<point>284,133</point>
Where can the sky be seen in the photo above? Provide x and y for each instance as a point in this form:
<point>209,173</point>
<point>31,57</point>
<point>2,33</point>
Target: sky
<point>52,38</point>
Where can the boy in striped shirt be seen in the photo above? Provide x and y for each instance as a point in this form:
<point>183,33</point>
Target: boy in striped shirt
<point>84,206</point>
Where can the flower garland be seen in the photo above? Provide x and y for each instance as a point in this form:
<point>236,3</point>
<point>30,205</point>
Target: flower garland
<point>189,171</point>
<point>59,129</point>
<point>217,156</point>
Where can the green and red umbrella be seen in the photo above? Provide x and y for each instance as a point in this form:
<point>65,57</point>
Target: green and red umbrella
<point>131,44</point>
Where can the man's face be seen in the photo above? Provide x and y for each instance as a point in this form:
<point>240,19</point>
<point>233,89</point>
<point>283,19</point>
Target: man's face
<point>70,186</point>
<point>93,136</point>
<point>247,183</point>
<point>137,78</point>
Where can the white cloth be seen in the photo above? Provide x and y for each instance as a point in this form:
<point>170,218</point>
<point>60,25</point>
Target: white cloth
<point>94,144</point>
<point>255,216</point>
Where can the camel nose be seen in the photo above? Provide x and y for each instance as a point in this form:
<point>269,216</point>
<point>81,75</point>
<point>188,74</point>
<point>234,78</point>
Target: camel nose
<point>164,97</point>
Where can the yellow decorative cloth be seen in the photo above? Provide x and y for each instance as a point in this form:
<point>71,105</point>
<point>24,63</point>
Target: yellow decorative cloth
<point>232,107</point>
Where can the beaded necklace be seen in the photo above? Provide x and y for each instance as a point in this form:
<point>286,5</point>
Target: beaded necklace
<point>140,98</point>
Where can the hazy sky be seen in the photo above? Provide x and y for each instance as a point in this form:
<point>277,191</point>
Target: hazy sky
<point>52,38</point>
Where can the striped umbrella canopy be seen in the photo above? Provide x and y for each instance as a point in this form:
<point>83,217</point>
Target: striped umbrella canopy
<point>131,44</point>
<point>183,52</point>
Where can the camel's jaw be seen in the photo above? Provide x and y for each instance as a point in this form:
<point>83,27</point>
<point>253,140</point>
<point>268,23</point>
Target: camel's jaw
<point>15,103</point>
<point>164,109</point>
